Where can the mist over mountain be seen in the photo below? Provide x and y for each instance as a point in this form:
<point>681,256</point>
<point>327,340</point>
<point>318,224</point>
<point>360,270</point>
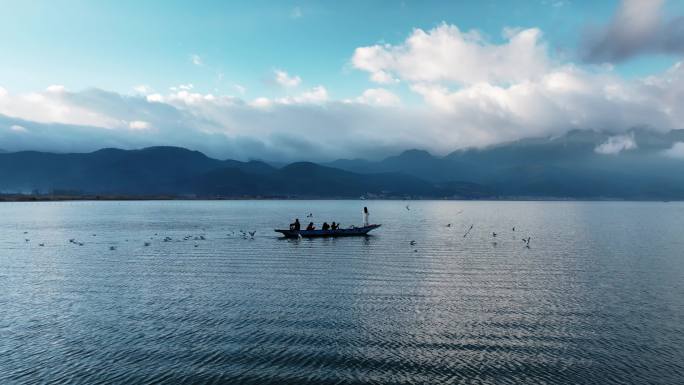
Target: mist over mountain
<point>578,165</point>
<point>581,164</point>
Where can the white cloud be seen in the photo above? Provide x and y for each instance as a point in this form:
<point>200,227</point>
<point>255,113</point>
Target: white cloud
<point>285,80</point>
<point>296,13</point>
<point>382,77</point>
<point>138,125</point>
<point>617,144</point>
<point>18,128</point>
<point>379,97</point>
<point>182,87</point>
<point>446,54</point>
<point>316,95</point>
<point>54,105</point>
<point>677,151</point>
<point>196,60</point>
<point>240,89</point>
<point>261,102</point>
<point>142,89</point>
<point>157,98</point>
<point>56,88</point>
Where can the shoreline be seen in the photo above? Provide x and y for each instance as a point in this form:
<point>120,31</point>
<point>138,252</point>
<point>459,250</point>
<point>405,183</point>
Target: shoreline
<point>124,198</point>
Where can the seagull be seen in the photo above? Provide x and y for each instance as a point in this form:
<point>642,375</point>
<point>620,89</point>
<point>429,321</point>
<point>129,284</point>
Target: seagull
<point>448,225</point>
<point>494,234</point>
<point>527,242</point>
<point>80,243</point>
<point>412,243</point>
<point>41,244</point>
<point>27,239</point>
<point>147,243</point>
<point>196,245</point>
<point>112,248</point>
<point>251,233</point>
<point>468,232</point>
<point>408,208</point>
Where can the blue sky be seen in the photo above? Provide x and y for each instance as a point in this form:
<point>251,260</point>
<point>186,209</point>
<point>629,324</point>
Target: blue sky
<point>273,77</point>
<point>116,45</point>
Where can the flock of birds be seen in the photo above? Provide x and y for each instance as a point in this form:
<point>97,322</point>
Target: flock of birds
<point>526,241</point>
<point>241,233</point>
<point>250,235</point>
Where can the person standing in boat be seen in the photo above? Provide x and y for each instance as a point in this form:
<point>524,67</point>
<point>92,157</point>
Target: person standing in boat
<point>365,216</point>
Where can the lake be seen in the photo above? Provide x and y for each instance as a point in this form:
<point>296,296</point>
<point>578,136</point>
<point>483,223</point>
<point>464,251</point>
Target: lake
<point>596,298</point>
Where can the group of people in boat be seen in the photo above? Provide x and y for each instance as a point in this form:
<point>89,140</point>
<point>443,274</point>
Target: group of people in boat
<point>296,226</point>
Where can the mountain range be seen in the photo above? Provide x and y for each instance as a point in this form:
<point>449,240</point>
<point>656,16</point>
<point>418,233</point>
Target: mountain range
<point>571,166</point>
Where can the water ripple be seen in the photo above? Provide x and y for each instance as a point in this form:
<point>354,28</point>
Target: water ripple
<point>596,299</point>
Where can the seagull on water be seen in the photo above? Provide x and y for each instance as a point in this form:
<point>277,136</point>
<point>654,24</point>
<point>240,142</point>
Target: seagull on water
<point>527,242</point>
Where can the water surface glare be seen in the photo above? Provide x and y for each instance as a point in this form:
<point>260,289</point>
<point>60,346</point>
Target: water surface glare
<point>172,292</point>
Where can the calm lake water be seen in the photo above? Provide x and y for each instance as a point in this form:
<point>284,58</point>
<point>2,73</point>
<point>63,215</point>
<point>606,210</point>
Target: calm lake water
<point>597,298</point>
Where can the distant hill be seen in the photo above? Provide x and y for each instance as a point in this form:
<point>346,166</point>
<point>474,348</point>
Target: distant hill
<point>181,172</point>
<point>556,167</point>
<point>565,167</point>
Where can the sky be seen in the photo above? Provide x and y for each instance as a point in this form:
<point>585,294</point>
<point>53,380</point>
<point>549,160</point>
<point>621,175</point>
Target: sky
<point>323,80</point>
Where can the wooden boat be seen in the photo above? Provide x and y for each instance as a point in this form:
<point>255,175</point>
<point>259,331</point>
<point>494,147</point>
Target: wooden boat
<point>350,232</point>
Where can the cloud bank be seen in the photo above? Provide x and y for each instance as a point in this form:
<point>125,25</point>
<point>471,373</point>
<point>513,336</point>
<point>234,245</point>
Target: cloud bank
<point>638,27</point>
<point>472,92</point>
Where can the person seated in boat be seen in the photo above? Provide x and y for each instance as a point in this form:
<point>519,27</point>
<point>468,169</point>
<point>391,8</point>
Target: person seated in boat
<point>310,227</point>
<point>365,216</point>
<point>334,226</point>
<point>295,226</point>
<point>326,226</point>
